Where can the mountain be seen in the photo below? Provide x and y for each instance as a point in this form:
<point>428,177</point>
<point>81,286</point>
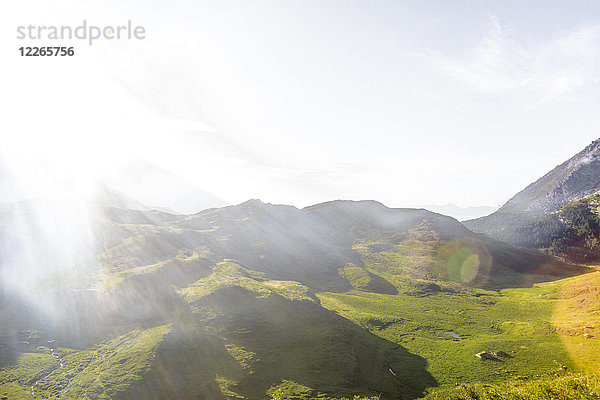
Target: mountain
<point>107,196</point>
<point>312,244</point>
<point>533,218</point>
<point>227,303</point>
<point>571,232</point>
<point>575,178</point>
<point>461,213</point>
<point>149,184</point>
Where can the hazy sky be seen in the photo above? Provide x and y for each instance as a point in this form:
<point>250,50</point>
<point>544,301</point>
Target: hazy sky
<point>297,102</point>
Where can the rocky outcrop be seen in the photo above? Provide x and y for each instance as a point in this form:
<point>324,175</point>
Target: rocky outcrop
<point>484,355</point>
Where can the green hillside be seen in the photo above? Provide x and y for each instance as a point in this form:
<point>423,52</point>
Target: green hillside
<point>103,371</point>
<point>567,386</point>
<point>575,318</point>
<point>257,301</point>
<point>570,232</point>
<point>570,181</point>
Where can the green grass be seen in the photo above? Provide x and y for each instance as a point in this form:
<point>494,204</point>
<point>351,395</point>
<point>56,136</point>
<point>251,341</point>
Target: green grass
<point>100,372</point>
<point>570,232</point>
<point>110,277</point>
<point>256,320</point>
<point>546,330</point>
<point>516,321</point>
<point>15,381</point>
<point>408,258</point>
<point>577,319</point>
<point>229,274</point>
<point>358,277</point>
<point>240,335</point>
<point>280,343</point>
<point>290,390</point>
<point>226,274</point>
<point>114,365</point>
<point>426,314</point>
<point>571,387</point>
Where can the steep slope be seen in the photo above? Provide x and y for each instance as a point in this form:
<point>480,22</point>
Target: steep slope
<point>575,178</point>
<point>549,214</point>
<point>571,232</point>
<point>572,180</point>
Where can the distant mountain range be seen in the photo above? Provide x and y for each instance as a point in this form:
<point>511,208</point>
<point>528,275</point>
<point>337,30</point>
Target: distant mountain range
<point>135,185</point>
<point>461,213</point>
<point>150,185</point>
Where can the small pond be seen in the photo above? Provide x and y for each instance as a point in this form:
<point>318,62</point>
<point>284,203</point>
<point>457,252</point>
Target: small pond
<point>448,334</point>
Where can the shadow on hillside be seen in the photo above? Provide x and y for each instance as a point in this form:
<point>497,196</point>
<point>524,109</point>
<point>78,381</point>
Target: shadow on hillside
<point>274,340</point>
<point>490,264</point>
<point>233,342</point>
<point>15,316</point>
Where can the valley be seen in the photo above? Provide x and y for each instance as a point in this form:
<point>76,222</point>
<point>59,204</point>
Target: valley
<point>257,300</point>
<point>300,200</point>
<point>542,330</point>
<point>340,299</point>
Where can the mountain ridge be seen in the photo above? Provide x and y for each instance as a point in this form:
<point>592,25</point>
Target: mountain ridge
<point>240,285</point>
<point>575,178</point>
<point>572,180</point>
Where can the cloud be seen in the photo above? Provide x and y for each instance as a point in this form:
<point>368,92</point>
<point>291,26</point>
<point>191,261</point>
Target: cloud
<point>547,72</point>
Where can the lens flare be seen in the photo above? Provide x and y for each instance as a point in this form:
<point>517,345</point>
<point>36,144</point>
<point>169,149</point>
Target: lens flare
<point>463,261</point>
<point>463,265</point>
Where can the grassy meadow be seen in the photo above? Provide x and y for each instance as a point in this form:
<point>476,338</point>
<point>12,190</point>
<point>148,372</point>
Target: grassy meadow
<point>546,331</point>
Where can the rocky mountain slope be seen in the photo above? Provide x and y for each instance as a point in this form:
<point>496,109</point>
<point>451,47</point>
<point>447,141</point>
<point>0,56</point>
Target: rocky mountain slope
<point>575,178</point>
<point>569,182</point>
<point>571,232</point>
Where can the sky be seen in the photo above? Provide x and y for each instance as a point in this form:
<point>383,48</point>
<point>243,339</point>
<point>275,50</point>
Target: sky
<point>298,102</point>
